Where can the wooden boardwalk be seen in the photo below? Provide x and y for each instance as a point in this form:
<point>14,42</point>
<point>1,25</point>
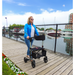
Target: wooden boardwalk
<point>58,64</point>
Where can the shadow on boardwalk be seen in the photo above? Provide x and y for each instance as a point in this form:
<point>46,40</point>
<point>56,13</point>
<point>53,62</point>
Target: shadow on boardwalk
<point>58,64</point>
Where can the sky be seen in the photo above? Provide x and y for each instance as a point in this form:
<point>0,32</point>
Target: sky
<point>43,11</point>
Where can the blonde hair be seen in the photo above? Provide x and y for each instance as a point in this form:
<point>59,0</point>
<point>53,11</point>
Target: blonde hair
<point>28,21</point>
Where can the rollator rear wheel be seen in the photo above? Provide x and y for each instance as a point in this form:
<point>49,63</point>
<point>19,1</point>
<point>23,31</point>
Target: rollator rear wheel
<point>45,59</point>
<point>33,63</point>
<point>25,59</point>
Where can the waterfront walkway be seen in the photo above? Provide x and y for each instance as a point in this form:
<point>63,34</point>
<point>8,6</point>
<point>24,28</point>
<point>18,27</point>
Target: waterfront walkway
<point>58,64</point>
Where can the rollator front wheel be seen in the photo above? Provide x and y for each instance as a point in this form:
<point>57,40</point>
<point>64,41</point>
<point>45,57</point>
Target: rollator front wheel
<point>45,59</point>
<point>25,59</point>
<point>33,63</point>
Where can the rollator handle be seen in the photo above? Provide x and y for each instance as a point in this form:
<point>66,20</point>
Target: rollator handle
<point>30,38</point>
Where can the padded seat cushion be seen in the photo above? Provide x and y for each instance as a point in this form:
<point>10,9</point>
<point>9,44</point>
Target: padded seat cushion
<point>37,48</point>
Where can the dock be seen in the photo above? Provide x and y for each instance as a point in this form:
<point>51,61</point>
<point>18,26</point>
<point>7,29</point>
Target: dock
<point>58,64</point>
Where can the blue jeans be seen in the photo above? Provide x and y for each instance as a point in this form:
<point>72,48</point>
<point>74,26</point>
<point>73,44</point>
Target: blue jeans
<point>28,45</point>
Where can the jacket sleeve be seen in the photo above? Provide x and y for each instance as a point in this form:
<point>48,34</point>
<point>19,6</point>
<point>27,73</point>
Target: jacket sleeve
<point>36,32</point>
<point>25,30</point>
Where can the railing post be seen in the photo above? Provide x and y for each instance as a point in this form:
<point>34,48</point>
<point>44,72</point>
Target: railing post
<point>4,31</point>
<point>56,38</point>
<point>9,32</point>
<point>17,34</point>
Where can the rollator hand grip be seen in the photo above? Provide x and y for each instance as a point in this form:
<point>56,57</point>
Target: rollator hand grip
<point>30,38</point>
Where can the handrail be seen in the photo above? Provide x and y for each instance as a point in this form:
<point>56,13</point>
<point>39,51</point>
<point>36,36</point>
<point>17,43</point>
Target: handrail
<point>54,24</point>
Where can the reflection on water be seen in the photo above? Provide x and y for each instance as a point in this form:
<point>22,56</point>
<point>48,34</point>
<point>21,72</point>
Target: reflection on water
<point>64,45</point>
<point>69,45</point>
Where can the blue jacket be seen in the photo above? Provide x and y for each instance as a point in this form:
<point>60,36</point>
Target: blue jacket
<point>27,30</point>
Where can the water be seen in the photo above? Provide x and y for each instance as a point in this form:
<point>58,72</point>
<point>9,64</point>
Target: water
<point>64,44</point>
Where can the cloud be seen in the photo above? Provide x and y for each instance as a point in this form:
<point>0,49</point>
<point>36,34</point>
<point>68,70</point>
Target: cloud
<point>22,4</point>
<point>49,17</point>
<point>50,9</point>
<point>43,10</point>
<point>63,5</point>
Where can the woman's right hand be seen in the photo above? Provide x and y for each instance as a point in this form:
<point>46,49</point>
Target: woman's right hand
<point>27,37</point>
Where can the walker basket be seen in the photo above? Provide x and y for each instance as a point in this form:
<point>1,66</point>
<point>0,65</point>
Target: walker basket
<point>38,54</point>
<point>40,37</point>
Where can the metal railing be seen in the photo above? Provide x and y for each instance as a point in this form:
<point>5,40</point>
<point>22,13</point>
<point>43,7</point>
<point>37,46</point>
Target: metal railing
<point>9,32</point>
<point>56,31</point>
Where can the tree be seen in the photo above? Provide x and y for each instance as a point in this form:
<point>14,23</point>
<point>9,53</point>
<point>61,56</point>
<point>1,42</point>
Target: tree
<point>51,28</point>
<point>59,29</point>
<point>16,25</point>
<point>42,29</point>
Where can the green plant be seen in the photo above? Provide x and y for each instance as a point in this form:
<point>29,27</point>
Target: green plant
<point>6,69</point>
<point>6,59</point>
<point>12,66</point>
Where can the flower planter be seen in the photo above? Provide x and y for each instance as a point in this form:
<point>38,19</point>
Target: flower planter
<point>12,66</point>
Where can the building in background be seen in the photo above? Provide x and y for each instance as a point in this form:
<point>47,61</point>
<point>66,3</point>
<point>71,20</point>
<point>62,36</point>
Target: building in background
<point>68,31</point>
<point>70,21</point>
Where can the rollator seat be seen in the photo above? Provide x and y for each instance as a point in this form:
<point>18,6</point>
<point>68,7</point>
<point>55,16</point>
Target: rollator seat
<point>36,48</point>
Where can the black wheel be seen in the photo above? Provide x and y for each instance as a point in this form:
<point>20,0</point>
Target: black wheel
<point>38,56</point>
<point>25,59</point>
<point>33,63</point>
<point>45,59</point>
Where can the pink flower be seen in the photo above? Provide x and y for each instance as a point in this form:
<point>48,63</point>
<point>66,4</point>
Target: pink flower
<point>4,57</point>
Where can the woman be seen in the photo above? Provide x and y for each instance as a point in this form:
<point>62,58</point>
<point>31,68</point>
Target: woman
<point>29,31</point>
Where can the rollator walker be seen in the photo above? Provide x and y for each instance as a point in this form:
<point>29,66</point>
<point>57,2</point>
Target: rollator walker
<point>37,52</point>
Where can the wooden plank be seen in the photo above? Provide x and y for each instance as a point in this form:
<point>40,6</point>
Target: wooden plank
<point>58,67</point>
<point>68,70</point>
<point>71,72</point>
<point>63,68</point>
<point>52,67</point>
